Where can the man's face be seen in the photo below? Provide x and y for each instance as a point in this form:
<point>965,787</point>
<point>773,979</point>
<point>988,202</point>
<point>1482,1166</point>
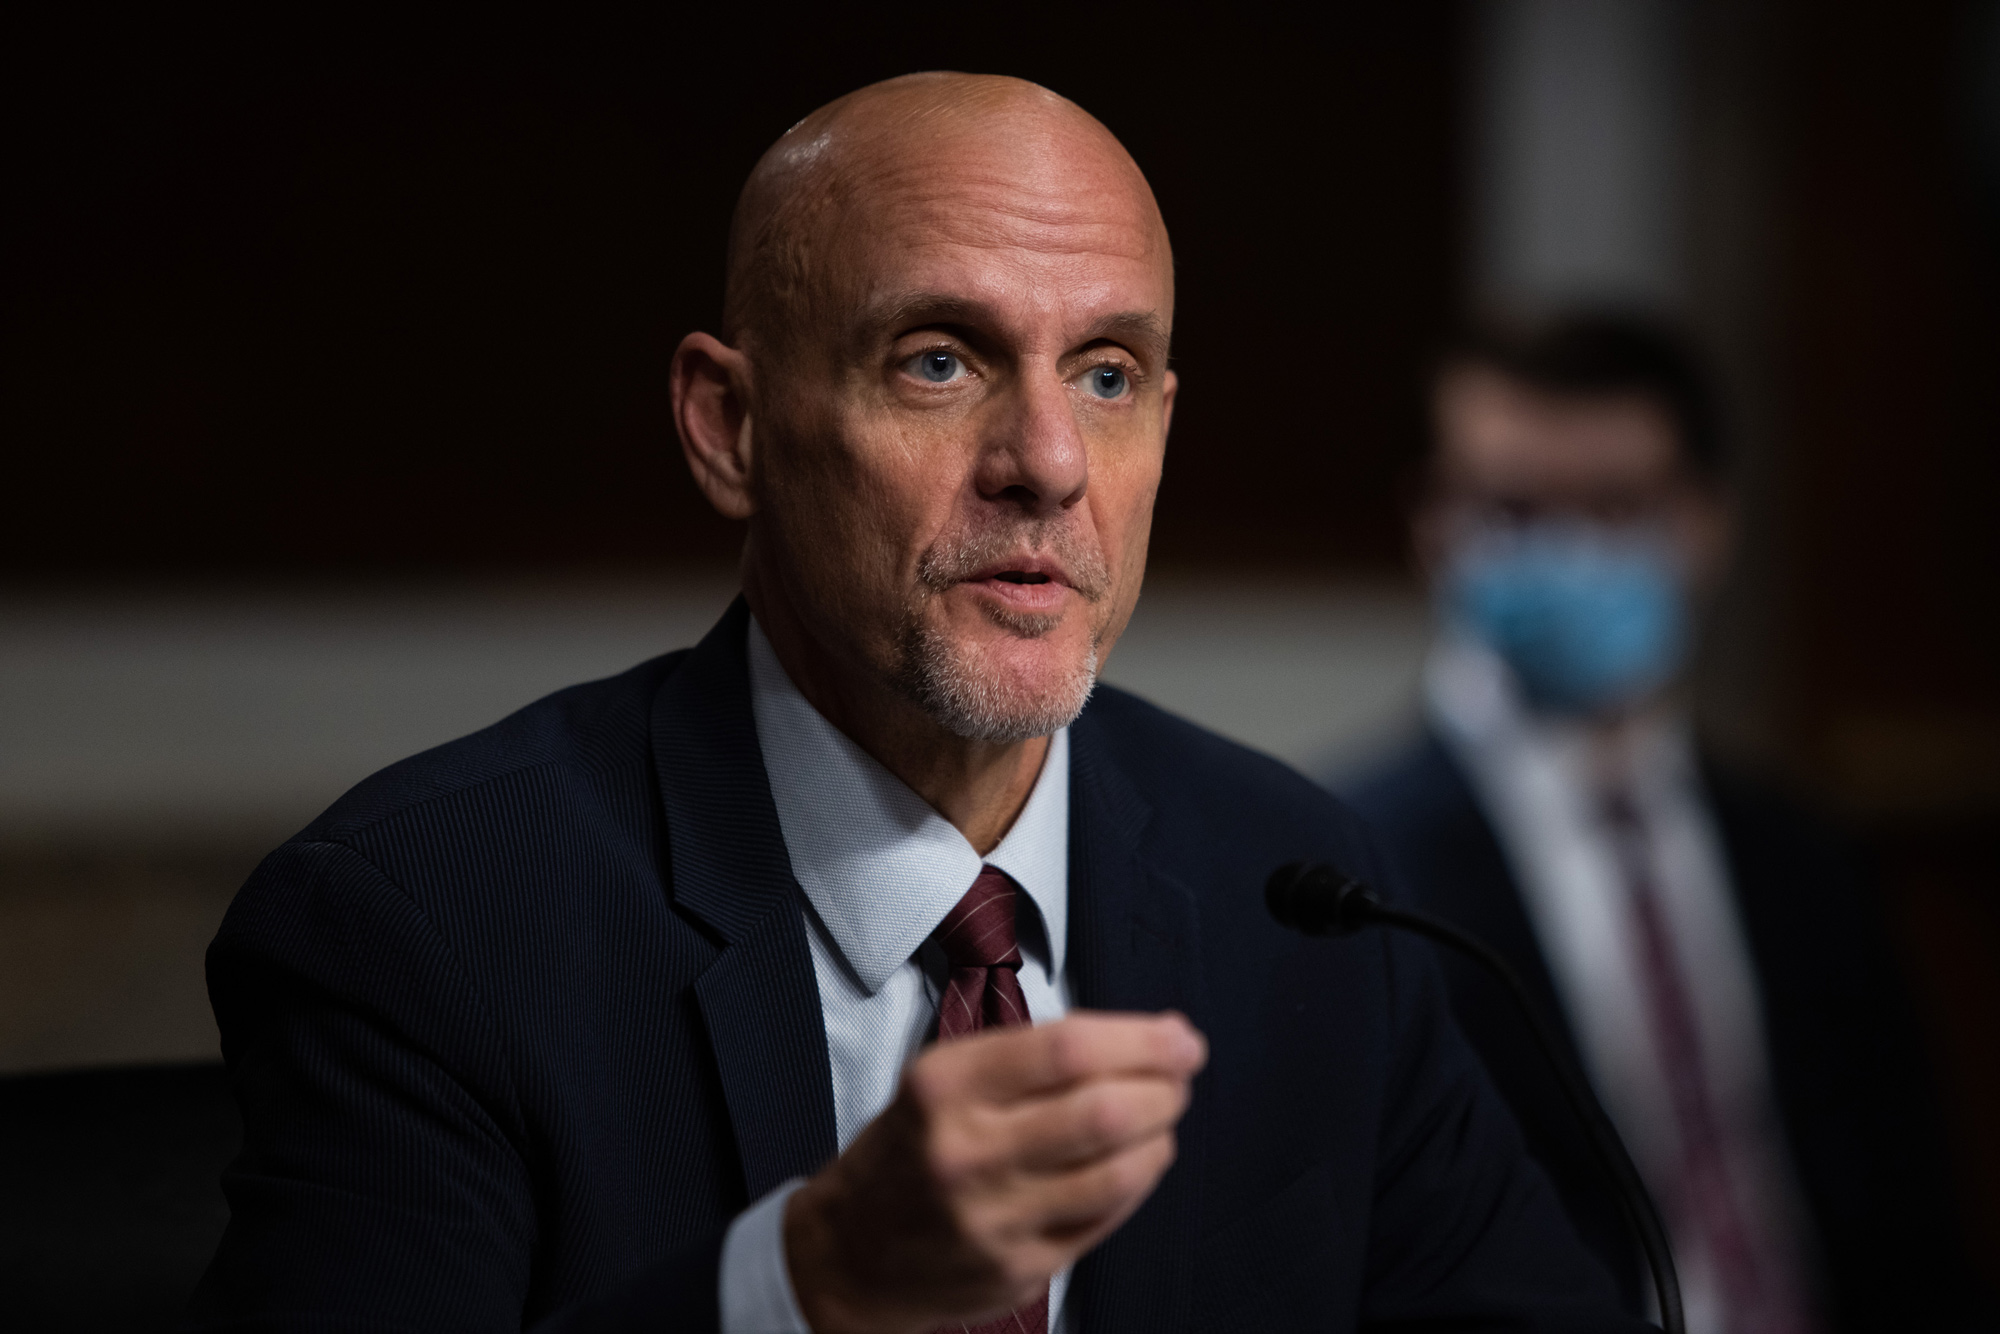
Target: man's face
<point>957,457</point>
<point>1511,455</point>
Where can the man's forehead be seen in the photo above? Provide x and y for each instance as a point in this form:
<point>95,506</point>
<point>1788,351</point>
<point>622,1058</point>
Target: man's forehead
<point>971,246</point>
<point>989,191</point>
<point>973,203</point>
<point>1500,430</point>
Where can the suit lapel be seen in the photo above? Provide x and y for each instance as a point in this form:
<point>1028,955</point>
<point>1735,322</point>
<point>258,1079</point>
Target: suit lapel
<point>1133,947</point>
<point>1483,896</point>
<point>729,870</point>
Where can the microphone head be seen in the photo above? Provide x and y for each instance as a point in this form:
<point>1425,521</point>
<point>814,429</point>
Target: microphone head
<point>1319,900</point>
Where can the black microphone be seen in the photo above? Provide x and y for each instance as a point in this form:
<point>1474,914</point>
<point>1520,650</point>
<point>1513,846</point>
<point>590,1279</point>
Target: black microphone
<point>1320,900</point>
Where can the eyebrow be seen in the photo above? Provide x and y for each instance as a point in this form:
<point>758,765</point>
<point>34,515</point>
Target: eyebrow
<point>1139,329</point>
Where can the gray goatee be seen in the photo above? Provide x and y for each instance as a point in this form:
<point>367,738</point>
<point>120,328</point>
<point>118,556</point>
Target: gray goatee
<point>964,692</point>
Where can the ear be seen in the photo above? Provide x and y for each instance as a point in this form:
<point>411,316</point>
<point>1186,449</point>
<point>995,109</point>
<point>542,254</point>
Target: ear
<point>1170,388</point>
<point>711,388</point>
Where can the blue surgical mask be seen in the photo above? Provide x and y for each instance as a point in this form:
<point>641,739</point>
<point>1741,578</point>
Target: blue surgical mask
<point>1588,616</point>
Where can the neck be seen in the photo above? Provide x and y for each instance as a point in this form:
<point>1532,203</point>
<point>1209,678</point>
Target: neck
<point>980,786</point>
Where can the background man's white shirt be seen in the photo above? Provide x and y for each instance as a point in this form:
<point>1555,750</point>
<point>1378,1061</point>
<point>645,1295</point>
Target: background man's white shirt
<point>1535,780</point>
<point>880,869</point>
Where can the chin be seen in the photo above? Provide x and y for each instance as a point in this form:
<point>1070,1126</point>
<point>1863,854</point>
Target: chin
<point>991,682</point>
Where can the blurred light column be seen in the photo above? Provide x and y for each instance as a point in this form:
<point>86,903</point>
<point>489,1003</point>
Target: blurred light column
<point>1580,171</point>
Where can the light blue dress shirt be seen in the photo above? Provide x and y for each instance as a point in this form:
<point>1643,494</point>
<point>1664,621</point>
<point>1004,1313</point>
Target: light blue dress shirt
<point>880,869</point>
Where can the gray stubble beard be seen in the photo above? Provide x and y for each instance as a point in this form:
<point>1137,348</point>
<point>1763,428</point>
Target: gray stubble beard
<point>950,686</point>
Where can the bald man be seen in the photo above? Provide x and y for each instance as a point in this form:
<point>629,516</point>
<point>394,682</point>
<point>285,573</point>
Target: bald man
<point>859,969</point>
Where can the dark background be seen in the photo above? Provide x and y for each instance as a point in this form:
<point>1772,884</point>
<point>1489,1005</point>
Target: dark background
<point>314,302</point>
<point>1885,270</point>
<point>338,302</point>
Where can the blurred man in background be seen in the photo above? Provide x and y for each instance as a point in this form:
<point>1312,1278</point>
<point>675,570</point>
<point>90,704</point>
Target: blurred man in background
<point>1724,980</point>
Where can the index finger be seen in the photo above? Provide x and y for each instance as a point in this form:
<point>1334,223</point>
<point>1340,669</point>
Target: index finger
<point>1013,1063</point>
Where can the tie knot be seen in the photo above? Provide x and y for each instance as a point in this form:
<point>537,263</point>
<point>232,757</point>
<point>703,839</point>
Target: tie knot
<point>979,931</point>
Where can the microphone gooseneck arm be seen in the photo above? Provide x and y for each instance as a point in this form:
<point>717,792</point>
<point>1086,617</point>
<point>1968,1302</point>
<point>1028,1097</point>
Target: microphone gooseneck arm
<point>1319,900</point>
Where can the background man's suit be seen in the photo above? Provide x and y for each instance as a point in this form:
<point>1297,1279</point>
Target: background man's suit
<point>520,1024</point>
<point>1846,1062</point>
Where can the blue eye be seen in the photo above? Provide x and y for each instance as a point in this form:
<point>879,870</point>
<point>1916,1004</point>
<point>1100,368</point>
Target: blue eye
<point>1107,382</point>
<point>936,367</point>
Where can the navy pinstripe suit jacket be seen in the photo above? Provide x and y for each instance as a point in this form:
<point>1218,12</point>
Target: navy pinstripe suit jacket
<point>520,1024</point>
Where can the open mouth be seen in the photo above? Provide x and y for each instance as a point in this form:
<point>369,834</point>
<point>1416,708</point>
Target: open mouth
<point>1024,583</point>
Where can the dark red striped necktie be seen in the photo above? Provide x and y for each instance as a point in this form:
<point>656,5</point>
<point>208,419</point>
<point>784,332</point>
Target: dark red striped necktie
<point>980,944</point>
<point>1759,1293</point>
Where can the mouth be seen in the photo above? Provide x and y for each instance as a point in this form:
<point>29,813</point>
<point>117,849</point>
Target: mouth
<point>1021,571</point>
<point>1029,583</point>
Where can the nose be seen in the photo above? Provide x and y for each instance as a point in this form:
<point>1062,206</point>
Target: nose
<point>1034,459</point>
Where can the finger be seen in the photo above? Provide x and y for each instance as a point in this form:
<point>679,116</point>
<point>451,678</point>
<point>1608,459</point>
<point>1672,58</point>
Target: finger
<point>1019,1062</point>
<point>1077,1124</point>
<point>1094,1198</point>
<point>1045,1222</point>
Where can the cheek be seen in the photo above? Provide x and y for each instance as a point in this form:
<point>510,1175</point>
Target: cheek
<point>1123,512</point>
<point>1123,485</point>
<point>874,493</point>
<point>909,480</point>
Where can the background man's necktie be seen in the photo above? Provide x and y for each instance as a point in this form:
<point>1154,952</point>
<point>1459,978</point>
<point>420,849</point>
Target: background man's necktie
<point>1756,1287</point>
<point>979,942</point>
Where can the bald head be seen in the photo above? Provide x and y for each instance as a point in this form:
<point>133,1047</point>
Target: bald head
<point>861,165</point>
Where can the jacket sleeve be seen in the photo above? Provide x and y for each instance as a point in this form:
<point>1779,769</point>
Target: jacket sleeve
<point>1467,1232</point>
<point>387,1180</point>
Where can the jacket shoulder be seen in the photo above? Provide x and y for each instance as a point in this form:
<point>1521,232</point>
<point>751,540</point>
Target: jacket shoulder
<point>1418,783</point>
<point>1185,771</point>
<point>595,726</point>
<point>1752,807</point>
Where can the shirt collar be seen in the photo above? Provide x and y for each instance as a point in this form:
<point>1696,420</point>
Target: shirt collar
<point>878,864</point>
<point>1476,705</point>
